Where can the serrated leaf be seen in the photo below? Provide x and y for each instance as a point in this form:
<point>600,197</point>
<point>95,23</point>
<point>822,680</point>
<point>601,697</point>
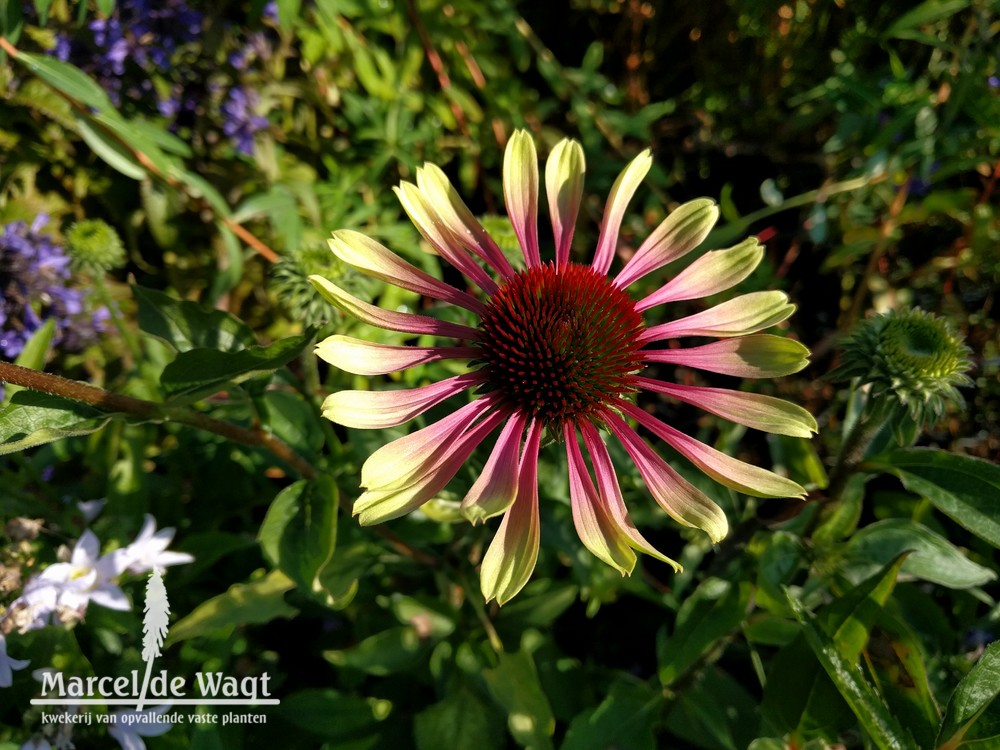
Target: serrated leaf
<point>187,325</point>
<point>874,717</point>
<point>202,372</point>
<point>259,601</point>
<point>31,419</point>
<point>933,557</point>
<point>964,488</point>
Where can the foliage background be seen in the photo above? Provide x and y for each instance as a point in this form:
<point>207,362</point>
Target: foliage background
<point>859,140</point>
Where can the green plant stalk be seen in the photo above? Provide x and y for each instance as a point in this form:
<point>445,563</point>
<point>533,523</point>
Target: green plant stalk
<point>127,335</point>
<point>876,414</point>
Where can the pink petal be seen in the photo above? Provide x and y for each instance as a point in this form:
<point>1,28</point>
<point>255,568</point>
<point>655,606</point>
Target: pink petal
<point>511,557</point>
<point>388,319</point>
<point>724,469</point>
<point>377,410</point>
<point>367,358</point>
<point>401,462</point>
<point>684,503</point>
<point>681,232</point>
<point>614,211</point>
<point>374,259</point>
<point>739,316</point>
<point>564,187</point>
<point>496,487</point>
<point>713,272</point>
<point>750,409</point>
<point>520,191</point>
<point>376,506</point>
<point>758,356</point>
<point>456,215</point>
<point>442,239</point>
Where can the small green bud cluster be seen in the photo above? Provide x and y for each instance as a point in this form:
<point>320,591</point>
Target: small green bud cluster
<point>93,245</point>
<point>911,356</point>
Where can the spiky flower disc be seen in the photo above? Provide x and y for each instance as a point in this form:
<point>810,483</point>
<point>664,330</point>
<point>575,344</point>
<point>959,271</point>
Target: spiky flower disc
<point>911,356</point>
<point>559,349</point>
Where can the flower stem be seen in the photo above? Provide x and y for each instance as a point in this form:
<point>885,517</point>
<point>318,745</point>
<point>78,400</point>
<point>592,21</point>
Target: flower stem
<point>876,414</point>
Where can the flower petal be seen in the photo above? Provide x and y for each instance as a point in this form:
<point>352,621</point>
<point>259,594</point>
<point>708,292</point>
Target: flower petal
<point>496,487</point>
<point>611,495</point>
<point>377,410</point>
<point>713,272</point>
<point>456,215</point>
<point>442,239</point>
<point>376,506</point>
<point>564,187</point>
<point>406,459</point>
<point>520,191</point>
<point>754,410</point>
<point>739,316</point>
<point>759,356</point>
<point>374,259</point>
<point>685,503</point>
<point>614,211</point>
<point>366,358</point>
<point>726,470</point>
<point>593,523</point>
<point>510,559</point>
<point>680,233</point>
<point>388,319</point>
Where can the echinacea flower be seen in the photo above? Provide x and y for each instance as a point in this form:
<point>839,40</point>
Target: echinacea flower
<point>559,350</point>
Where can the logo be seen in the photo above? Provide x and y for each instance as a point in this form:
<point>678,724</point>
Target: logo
<point>141,689</point>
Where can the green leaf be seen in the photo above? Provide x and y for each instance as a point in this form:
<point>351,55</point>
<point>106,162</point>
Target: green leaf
<point>67,79</point>
<point>186,325</point>
<point>625,718</point>
<point>288,13</point>
<point>779,561</point>
<point>337,717</point>
<point>964,488</point>
<point>974,694</point>
<point>110,150</point>
<point>714,711</point>
<point>11,20</point>
<point>134,139</point>
<point>926,12</point>
<point>32,355</point>
<point>460,720</point>
<point>934,558</point>
<point>881,726</point>
<point>32,418</point>
<point>299,535</point>
<point>387,652</point>
<point>259,601</point>
<point>799,697</point>
<point>515,686</point>
<point>198,187</point>
<point>711,612</point>
<point>202,372</point>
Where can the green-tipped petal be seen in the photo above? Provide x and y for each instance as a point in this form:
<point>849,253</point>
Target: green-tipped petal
<point>614,211</point>
<point>511,557</point>
<point>754,410</point>
<point>680,233</point>
<point>714,272</point>
<point>739,316</point>
<point>520,190</point>
<point>761,355</point>
<point>564,172</point>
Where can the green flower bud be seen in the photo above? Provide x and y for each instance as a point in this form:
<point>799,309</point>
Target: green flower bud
<point>93,245</point>
<point>912,357</point>
<point>289,280</point>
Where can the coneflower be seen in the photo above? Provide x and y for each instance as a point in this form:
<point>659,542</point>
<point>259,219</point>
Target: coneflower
<point>559,350</point>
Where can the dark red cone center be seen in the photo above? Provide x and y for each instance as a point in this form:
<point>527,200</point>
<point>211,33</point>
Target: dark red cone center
<point>558,342</point>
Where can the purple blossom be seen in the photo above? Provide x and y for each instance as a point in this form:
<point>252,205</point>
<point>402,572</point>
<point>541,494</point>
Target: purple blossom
<point>34,288</point>
<point>240,121</point>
